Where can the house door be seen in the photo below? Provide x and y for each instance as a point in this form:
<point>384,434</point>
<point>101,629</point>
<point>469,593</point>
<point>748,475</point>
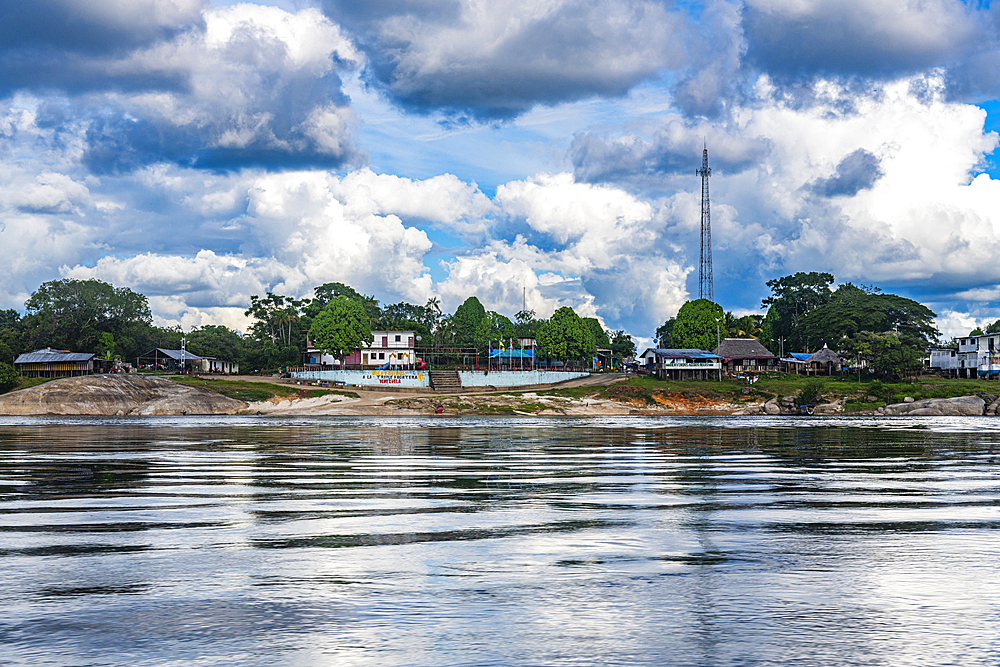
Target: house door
<point>364,358</point>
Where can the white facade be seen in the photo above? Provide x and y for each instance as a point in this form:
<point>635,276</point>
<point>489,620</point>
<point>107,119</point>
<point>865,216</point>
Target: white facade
<point>978,355</point>
<point>943,358</point>
<point>395,348</point>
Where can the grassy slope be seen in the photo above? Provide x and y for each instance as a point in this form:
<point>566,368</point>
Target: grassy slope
<point>780,384</point>
<point>258,391</point>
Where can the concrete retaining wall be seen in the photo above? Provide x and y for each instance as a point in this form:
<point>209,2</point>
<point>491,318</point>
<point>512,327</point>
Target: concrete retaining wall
<point>372,378</point>
<point>421,379</point>
<point>514,378</point>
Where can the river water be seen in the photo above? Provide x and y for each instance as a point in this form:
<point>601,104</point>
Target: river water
<point>633,541</point>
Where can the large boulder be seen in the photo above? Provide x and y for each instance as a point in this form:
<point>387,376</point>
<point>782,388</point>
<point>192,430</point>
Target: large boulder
<point>109,395</point>
<point>972,406</point>
<point>771,407</point>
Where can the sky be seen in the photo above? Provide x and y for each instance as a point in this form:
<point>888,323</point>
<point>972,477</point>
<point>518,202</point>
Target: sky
<point>522,151</point>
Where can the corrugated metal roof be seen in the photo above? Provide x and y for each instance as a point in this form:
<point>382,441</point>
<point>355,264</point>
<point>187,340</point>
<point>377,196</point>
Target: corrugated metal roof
<point>48,356</point>
<point>176,354</point>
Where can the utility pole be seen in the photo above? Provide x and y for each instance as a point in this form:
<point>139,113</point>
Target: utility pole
<point>705,281</point>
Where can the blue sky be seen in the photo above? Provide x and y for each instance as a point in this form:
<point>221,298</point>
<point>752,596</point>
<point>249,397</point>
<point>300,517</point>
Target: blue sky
<point>202,152</point>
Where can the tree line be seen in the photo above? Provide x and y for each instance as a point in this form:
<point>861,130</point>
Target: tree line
<point>116,322</point>
<point>889,333</point>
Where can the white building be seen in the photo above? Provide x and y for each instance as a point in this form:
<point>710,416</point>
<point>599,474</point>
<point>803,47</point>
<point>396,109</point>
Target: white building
<point>943,359</point>
<point>388,348</point>
<point>978,356</point>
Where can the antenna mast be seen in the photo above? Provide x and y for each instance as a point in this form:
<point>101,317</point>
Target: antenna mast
<point>705,290</point>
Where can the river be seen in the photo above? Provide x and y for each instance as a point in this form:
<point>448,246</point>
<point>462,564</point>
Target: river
<point>496,541</point>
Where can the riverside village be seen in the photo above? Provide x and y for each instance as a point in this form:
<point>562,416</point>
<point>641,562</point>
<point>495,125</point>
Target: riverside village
<point>818,347</point>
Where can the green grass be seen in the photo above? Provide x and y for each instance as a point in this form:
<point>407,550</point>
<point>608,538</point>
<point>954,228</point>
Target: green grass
<point>259,391</point>
<point>26,383</point>
<point>830,388</point>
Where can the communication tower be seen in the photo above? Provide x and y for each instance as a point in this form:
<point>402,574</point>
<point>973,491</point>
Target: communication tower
<point>705,290</point>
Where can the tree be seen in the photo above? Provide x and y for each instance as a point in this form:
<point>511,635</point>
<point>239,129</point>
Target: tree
<point>494,328</point>
<point>406,316</point>
<point>977,332</point>
<point>72,314</point>
<point>526,324</point>
<point>328,291</point>
<point>748,326</point>
<point>106,346</point>
<point>11,335</point>
<point>854,309</point>
<point>600,335</point>
<point>217,341</point>
<point>8,377</point>
<point>565,336</point>
<point>792,297</point>
<point>993,328</point>
<point>700,324</point>
<point>622,346</point>
<point>887,354</point>
<point>467,318</point>
<point>664,333</point>
<point>341,327</point>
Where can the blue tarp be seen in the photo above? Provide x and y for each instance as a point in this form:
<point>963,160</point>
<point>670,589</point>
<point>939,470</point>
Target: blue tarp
<point>512,354</point>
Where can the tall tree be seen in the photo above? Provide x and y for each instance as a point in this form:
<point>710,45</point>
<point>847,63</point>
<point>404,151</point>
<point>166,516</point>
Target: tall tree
<point>854,309</point>
<point>494,328</point>
<point>328,291</point>
<point>213,340</point>
<point>341,327</point>
<point>600,335</point>
<point>526,324</point>
<point>664,334</point>
<point>700,324</point>
<point>792,297</point>
<point>467,318</point>
<point>565,336</point>
<point>72,314</point>
<point>622,346</point>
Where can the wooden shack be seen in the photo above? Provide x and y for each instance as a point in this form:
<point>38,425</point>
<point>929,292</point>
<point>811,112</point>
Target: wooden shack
<point>52,363</point>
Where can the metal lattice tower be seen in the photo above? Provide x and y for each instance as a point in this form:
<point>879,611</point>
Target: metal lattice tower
<point>705,290</point>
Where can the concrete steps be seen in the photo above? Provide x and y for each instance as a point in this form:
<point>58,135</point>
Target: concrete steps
<point>445,380</point>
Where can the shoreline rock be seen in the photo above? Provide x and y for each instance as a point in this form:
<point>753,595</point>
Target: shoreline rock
<point>960,406</point>
<point>116,395</point>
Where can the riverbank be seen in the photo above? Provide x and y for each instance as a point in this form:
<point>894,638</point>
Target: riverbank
<point>592,396</point>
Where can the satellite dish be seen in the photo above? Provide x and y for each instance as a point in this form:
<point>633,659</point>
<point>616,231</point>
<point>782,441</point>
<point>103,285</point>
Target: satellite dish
<point>419,339</point>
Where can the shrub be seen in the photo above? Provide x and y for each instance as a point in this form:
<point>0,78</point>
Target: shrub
<point>8,377</point>
<point>810,391</point>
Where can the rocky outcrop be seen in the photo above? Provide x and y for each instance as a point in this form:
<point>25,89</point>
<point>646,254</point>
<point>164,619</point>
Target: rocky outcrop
<point>111,395</point>
<point>993,407</point>
<point>972,406</point>
<point>834,408</point>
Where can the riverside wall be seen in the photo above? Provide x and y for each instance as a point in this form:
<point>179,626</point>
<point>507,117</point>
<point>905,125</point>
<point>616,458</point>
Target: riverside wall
<point>421,379</point>
<point>369,378</point>
<point>515,378</point>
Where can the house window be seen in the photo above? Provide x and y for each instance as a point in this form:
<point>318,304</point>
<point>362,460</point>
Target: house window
<point>398,338</point>
<point>381,355</point>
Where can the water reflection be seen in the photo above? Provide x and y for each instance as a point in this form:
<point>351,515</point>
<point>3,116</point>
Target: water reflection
<point>333,541</point>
